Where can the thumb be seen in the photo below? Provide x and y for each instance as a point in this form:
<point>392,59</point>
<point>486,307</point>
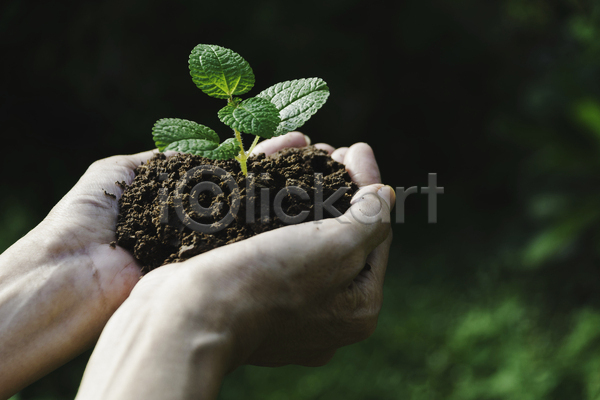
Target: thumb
<point>369,215</point>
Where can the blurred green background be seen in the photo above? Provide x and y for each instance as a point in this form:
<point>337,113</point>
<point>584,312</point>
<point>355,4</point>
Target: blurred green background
<point>498,300</point>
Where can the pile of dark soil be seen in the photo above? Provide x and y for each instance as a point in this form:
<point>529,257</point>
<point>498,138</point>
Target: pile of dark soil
<point>181,206</point>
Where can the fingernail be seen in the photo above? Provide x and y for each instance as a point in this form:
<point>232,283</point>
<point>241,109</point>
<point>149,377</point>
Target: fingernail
<point>308,141</point>
<point>386,193</point>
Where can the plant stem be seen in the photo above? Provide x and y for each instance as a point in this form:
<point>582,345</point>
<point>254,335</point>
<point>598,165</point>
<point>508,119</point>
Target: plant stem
<point>242,156</point>
<point>254,143</point>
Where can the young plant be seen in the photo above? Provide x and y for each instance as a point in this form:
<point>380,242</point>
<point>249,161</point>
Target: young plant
<point>222,73</point>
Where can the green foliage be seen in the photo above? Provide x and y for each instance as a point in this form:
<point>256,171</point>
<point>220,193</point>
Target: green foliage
<point>167,131</point>
<point>296,101</point>
<point>189,137</point>
<point>222,73</point>
<point>256,116</point>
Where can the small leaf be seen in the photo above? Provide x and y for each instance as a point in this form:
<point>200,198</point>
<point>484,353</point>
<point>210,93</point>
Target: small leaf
<point>226,151</point>
<point>255,116</point>
<point>220,72</point>
<point>192,146</point>
<point>297,101</point>
<point>169,130</point>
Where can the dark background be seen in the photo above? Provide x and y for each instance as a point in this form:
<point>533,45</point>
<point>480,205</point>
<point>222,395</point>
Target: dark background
<point>498,300</point>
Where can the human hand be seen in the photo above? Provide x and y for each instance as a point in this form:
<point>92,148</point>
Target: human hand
<point>60,283</point>
<point>317,287</point>
<point>292,295</point>
<point>348,312</point>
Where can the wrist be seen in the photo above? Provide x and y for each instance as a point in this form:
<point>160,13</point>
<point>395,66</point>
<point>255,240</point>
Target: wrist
<point>51,302</point>
<point>35,290</point>
<point>150,350</point>
<point>209,296</point>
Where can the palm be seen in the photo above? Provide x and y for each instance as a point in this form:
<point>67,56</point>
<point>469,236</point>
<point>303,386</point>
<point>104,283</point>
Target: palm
<point>87,216</point>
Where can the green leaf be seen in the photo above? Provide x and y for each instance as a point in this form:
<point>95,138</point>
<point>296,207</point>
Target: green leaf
<point>297,101</point>
<point>254,115</point>
<point>189,137</point>
<point>169,130</point>
<point>192,146</point>
<point>220,72</point>
<point>226,151</point>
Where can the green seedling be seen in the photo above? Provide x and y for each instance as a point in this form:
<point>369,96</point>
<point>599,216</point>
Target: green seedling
<point>224,74</point>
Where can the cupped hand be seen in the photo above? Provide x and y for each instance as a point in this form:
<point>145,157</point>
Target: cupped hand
<point>80,231</point>
<point>295,294</point>
<point>62,281</point>
<point>290,295</point>
<point>84,223</point>
<point>347,259</point>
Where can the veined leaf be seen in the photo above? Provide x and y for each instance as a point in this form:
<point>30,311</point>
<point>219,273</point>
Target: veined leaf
<point>192,146</point>
<point>220,72</point>
<point>254,115</point>
<point>296,101</point>
<point>169,130</point>
<point>226,150</point>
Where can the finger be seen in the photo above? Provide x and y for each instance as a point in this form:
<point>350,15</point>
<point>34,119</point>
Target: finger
<point>361,165</point>
<point>369,217</point>
<point>339,154</point>
<point>360,231</point>
<point>131,161</point>
<point>100,187</point>
<point>390,194</point>
<point>292,139</point>
<point>104,175</point>
<point>118,166</point>
<point>371,276</point>
<point>144,156</point>
<point>346,241</point>
<point>324,146</point>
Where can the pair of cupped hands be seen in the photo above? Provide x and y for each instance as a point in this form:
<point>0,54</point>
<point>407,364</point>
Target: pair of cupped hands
<point>289,296</point>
